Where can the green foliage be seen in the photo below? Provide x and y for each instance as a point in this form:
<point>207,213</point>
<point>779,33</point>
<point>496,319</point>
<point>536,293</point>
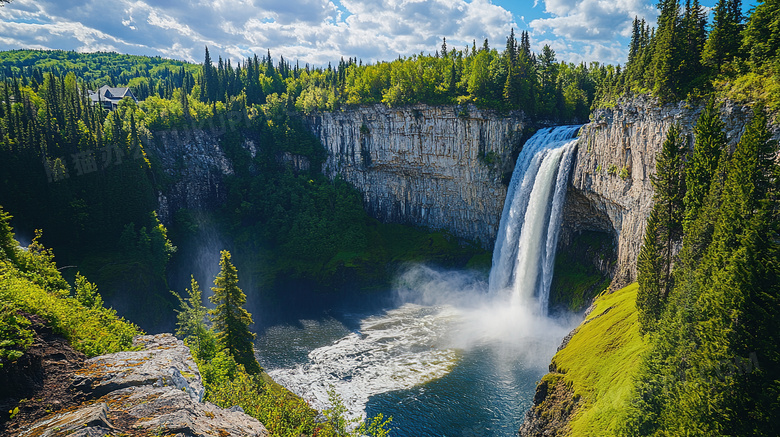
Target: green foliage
<point>145,75</point>
<point>32,284</point>
<point>8,246</point>
<point>710,142</point>
<point>87,293</point>
<point>650,272</point>
<point>713,366</point>
<point>681,60</point>
<point>601,361</point>
<point>15,335</point>
<point>231,321</point>
<point>663,231</point>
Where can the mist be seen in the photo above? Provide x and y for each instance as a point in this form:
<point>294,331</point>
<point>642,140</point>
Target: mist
<point>491,319</point>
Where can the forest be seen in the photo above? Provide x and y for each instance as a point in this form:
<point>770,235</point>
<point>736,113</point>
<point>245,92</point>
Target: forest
<point>88,179</point>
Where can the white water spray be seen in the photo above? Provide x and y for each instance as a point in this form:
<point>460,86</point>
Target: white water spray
<point>441,316</point>
<point>528,234</point>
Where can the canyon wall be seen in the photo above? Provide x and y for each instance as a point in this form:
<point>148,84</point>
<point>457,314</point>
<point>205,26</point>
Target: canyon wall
<point>445,167</point>
<point>611,188</point>
<point>435,166</point>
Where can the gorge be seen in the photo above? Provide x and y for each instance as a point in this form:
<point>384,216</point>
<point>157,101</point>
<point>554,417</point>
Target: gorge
<point>447,328</point>
<point>608,191</point>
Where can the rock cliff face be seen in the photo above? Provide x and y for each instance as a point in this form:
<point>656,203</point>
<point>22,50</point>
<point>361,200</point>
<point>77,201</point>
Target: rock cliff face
<point>196,165</point>
<point>610,183</point>
<point>439,167</point>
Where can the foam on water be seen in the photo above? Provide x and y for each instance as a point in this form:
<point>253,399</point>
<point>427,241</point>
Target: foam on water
<point>442,314</point>
<point>402,348</point>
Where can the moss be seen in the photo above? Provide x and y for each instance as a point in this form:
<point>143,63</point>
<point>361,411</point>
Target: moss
<point>601,362</point>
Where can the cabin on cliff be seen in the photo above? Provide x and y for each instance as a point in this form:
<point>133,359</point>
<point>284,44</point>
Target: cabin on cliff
<point>109,97</point>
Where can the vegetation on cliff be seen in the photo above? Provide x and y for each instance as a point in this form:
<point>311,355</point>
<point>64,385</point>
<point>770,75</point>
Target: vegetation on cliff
<point>592,376</point>
<point>30,284</point>
<point>739,57</point>
<point>712,367</point>
<point>220,343</point>
<point>85,176</point>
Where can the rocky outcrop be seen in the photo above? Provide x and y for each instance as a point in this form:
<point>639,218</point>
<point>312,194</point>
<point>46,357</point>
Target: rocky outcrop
<point>440,167</point>
<point>611,188</point>
<point>196,165</point>
<point>554,404</point>
<point>155,390</point>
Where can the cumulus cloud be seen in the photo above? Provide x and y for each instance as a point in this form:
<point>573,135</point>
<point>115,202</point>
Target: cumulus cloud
<point>592,27</point>
<point>313,31</point>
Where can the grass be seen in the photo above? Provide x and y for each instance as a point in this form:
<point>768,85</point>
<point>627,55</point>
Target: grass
<point>601,361</point>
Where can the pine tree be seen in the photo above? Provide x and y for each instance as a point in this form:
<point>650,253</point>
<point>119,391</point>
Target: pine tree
<point>650,269</point>
<point>8,245</point>
<point>709,142</point>
<point>724,40</point>
<point>669,192</point>
<point>665,52</point>
<point>762,35</point>
<point>191,322</point>
<point>664,229</point>
<point>737,311</point>
<point>231,321</point>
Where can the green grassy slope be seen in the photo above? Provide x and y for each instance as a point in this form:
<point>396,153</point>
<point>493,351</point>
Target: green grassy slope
<point>601,361</point>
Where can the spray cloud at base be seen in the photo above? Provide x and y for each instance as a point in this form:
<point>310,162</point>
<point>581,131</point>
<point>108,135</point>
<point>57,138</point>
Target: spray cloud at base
<point>442,317</point>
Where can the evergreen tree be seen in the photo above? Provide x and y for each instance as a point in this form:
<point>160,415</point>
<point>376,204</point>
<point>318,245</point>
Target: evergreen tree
<point>191,322</point>
<point>650,270</point>
<point>762,36</point>
<point>7,243</point>
<point>665,53</point>
<point>724,40</point>
<point>665,228</point>
<point>231,321</point>
<point>709,142</point>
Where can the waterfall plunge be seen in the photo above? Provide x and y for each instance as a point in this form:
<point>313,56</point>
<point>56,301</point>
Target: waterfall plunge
<point>528,234</point>
<point>445,320</point>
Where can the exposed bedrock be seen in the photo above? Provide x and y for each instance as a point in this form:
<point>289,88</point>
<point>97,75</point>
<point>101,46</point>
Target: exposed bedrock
<point>435,166</point>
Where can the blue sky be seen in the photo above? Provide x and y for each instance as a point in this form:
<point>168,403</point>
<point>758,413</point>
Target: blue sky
<point>319,31</point>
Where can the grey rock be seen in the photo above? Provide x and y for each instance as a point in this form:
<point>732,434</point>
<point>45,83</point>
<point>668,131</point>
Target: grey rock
<point>627,138</point>
<point>434,166</point>
<point>197,165</point>
<point>156,389</point>
<point>164,361</point>
<point>91,420</point>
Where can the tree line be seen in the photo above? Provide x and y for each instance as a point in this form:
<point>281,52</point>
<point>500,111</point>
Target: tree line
<point>737,56</point>
<point>145,75</point>
<point>513,79</point>
<point>710,312</point>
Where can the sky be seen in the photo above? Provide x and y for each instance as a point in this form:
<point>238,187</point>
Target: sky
<point>321,31</point>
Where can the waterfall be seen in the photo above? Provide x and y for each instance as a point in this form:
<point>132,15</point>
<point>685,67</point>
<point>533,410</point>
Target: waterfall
<point>524,253</point>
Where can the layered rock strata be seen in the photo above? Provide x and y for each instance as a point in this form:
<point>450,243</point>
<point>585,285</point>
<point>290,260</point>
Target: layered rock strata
<point>435,166</point>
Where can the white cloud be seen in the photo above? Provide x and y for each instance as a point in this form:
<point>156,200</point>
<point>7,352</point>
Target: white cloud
<point>592,28</point>
<point>313,31</point>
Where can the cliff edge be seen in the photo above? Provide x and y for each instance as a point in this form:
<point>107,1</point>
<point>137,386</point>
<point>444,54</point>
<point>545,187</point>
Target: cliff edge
<point>153,390</point>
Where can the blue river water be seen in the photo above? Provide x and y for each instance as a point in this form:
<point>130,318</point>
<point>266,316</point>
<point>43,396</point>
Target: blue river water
<point>469,368</point>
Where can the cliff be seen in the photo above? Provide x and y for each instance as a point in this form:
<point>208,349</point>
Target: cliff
<point>610,187</point>
<point>154,390</point>
<point>195,165</point>
<point>435,166</point>
<point>443,167</point>
<point>591,376</point>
